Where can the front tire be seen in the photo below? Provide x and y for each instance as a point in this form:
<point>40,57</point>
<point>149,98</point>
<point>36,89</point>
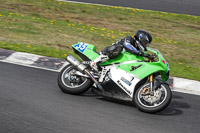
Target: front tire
<point>71,84</point>
<point>152,104</point>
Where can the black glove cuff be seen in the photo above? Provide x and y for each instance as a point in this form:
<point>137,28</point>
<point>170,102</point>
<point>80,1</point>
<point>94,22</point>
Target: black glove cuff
<point>141,53</point>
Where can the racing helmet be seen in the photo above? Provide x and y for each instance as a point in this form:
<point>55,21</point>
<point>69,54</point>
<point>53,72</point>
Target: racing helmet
<point>143,39</point>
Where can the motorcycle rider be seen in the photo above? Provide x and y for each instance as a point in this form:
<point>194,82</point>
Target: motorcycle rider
<point>135,45</point>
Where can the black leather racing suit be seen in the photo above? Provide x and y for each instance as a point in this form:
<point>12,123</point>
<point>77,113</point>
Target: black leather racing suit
<point>127,43</point>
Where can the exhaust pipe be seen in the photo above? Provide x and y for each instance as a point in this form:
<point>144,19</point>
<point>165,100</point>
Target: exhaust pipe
<point>82,68</point>
<point>76,63</point>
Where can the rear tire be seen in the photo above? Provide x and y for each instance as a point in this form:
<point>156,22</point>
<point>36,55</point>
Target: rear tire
<point>163,99</point>
<point>67,86</point>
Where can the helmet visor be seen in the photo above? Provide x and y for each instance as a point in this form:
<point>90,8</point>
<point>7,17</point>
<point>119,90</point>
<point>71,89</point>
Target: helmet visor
<point>144,39</point>
<point>140,46</point>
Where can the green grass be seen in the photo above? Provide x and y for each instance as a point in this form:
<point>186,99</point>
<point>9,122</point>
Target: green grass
<point>37,49</point>
<point>49,28</point>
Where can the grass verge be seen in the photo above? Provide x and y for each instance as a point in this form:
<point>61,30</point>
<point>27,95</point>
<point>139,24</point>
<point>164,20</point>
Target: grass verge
<point>49,28</point>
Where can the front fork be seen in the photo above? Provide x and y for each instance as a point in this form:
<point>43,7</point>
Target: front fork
<point>151,91</point>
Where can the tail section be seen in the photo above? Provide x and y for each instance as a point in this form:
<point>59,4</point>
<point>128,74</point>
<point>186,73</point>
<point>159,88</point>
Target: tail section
<point>85,51</point>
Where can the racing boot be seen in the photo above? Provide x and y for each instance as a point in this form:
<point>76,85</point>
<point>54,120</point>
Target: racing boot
<point>95,63</point>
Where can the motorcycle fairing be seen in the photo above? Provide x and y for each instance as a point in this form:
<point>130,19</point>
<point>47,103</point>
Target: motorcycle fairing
<point>85,51</point>
<point>145,69</point>
<point>113,90</point>
<point>127,61</point>
<point>88,52</point>
<point>121,58</point>
<point>121,78</point>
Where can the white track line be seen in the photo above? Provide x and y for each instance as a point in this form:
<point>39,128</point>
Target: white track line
<point>26,65</point>
<point>100,4</point>
<point>87,3</point>
<point>117,6</point>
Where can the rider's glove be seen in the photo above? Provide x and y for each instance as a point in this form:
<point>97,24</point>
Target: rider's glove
<point>150,57</point>
<point>147,56</point>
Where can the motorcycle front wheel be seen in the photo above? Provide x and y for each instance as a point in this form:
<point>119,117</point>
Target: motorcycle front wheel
<point>72,84</point>
<point>152,103</point>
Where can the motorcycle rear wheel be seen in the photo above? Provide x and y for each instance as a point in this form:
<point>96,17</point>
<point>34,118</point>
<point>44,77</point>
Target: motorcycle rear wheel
<point>71,84</point>
<point>152,104</point>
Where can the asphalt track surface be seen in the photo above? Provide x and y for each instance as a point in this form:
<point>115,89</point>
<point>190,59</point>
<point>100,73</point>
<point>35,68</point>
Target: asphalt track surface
<point>191,7</point>
<point>31,102</point>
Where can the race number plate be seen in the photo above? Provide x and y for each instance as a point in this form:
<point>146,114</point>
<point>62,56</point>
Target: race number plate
<point>81,46</point>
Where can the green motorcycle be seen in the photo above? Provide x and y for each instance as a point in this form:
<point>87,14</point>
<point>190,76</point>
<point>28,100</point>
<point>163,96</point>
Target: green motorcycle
<point>127,77</point>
